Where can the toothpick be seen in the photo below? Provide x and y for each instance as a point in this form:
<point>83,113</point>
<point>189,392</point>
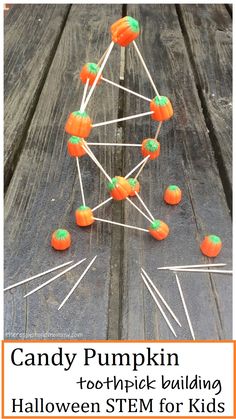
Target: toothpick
<point>192,266</point>
<point>146,69</point>
<point>125,89</point>
<point>144,205</point>
<point>77,283</point>
<point>135,206</point>
<point>80,181</point>
<point>119,224</point>
<point>98,75</point>
<point>55,277</point>
<point>90,153</point>
<point>102,57</point>
<point>36,276</point>
<point>102,203</point>
<point>212,271</point>
<point>158,130</point>
<point>161,297</point>
<point>136,167</point>
<point>141,168</point>
<point>84,94</point>
<point>158,305</point>
<point>117,144</point>
<point>126,118</point>
<point>185,307</point>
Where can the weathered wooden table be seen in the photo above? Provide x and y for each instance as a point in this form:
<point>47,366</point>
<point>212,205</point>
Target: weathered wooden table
<point>187,49</point>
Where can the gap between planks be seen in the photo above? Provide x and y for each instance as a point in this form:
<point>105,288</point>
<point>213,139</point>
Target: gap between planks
<point>207,117</point>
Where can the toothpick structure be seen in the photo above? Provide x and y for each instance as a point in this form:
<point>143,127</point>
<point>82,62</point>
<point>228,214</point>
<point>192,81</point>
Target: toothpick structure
<point>160,110</point>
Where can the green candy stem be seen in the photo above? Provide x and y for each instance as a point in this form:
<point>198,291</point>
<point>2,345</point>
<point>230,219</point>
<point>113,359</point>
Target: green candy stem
<point>155,225</point>
<point>151,145</point>
<point>61,234</point>
<point>111,185</point>
<point>83,208</point>
<point>81,114</point>
<point>133,24</point>
<point>214,239</point>
<point>75,140</point>
<point>160,101</point>
<point>173,188</point>
<point>93,68</point>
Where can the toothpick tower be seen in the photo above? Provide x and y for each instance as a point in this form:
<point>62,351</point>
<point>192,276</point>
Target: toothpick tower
<point>79,125</point>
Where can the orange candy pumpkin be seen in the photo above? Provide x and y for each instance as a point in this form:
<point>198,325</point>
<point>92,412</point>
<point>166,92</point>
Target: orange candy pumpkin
<point>150,147</point>
<point>89,71</point>
<point>84,216</point>
<point>125,30</point>
<point>61,239</point>
<point>119,188</point>
<point>172,195</point>
<point>159,230</point>
<point>78,124</point>
<point>135,186</point>
<point>75,146</point>
<point>162,108</point>
<point>211,246</point>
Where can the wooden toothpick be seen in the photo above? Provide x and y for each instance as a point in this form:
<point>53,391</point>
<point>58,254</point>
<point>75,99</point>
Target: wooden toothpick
<point>137,208</point>
<point>126,118</point>
<point>146,69</point>
<point>158,130</point>
<point>98,76</point>
<point>212,271</point>
<point>92,156</point>
<point>184,305</point>
<point>117,144</point>
<point>122,225</point>
<point>77,283</point>
<point>125,89</point>
<point>141,168</point>
<point>192,266</point>
<point>136,167</point>
<point>80,180</point>
<point>102,203</point>
<point>158,304</point>
<point>161,297</point>
<point>84,94</point>
<point>144,205</point>
<point>37,276</point>
<point>55,277</point>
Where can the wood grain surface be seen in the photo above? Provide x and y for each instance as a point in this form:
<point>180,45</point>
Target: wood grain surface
<point>112,301</point>
<point>44,193</point>
<point>31,37</point>
<point>186,159</point>
<point>208,31</point>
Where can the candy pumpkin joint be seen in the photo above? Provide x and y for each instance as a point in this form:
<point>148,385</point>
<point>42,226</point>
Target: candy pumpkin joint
<point>61,239</point>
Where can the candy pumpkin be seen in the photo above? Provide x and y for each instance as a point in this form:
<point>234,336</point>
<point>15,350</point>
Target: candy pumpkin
<point>211,246</point>
<point>78,124</point>
<point>74,146</point>
<point>172,195</point>
<point>162,108</point>
<point>159,230</point>
<point>135,186</point>
<point>84,216</point>
<point>89,71</point>
<point>125,30</point>
<point>61,239</point>
<point>119,188</point>
<point>150,147</point>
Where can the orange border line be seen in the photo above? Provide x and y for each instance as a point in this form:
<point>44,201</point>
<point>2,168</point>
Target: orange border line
<point>121,341</point>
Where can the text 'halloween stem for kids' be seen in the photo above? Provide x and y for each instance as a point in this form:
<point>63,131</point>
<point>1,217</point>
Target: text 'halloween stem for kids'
<point>103,379</point>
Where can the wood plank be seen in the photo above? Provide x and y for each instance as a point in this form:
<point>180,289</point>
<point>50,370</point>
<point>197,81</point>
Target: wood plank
<point>186,159</point>
<point>208,31</point>
<point>31,35</point>
<point>44,193</point>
